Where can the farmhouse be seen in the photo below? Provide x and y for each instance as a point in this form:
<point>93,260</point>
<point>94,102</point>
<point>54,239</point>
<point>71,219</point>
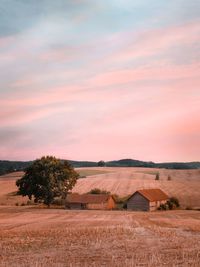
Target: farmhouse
<point>146,200</point>
<point>90,201</point>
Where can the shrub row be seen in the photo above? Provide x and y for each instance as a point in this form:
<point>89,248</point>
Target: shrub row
<point>171,204</point>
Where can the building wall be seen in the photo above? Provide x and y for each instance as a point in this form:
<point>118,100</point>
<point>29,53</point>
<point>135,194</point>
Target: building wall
<point>153,205</point>
<point>97,206</point>
<point>111,204</point>
<point>75,206</point>
<point>138,202</point>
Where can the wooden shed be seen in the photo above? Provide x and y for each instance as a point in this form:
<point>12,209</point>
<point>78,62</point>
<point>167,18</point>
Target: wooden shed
<point>146,200</point>
<point>90,201</point>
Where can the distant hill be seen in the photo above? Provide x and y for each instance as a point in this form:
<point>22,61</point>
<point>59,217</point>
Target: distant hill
<point>11,166</point>
<point>179,165</point>
<point>7,166</point>
<point>130,163</point>
<point>150,164</point>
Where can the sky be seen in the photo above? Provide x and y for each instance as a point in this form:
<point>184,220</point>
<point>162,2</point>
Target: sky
<point>100,80</point>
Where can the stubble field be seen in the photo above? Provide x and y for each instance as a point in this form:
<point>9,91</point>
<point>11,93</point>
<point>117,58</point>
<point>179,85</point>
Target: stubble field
<point>49,237</point>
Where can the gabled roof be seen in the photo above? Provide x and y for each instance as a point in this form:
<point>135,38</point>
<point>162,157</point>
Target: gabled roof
<point>87,198</point>
<point>152,194</point>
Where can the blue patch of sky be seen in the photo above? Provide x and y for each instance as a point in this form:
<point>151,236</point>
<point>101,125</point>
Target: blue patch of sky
<point>99,17</point>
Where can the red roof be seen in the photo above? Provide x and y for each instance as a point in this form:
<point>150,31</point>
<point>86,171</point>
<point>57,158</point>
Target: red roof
<point>87,198</point>
<point>153,194</point>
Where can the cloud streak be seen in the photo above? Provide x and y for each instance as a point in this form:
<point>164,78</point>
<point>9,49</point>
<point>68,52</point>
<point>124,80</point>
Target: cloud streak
<point>97,81</point>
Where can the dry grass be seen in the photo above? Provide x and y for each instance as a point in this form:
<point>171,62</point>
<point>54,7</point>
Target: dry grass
<point>35,237</point>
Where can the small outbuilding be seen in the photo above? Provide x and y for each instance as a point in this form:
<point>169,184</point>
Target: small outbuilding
<point>90,201</point>
<point>146,200</point>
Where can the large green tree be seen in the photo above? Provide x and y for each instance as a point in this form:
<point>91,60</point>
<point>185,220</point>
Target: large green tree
<point>46,179</point>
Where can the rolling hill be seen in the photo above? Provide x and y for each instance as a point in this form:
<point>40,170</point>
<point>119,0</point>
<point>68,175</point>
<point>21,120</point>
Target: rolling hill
<point>7,166</point>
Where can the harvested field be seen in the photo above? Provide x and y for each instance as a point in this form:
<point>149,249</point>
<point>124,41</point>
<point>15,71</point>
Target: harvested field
<point>184,184</point>
<point>8,190</point>
<point>48,237</point>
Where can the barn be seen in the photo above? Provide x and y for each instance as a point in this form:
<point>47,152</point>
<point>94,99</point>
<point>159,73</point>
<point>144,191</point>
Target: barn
<point>146,200</point>
<point>90,201</point>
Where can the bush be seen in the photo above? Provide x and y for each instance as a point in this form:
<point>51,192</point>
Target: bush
<point>163,207</point>
<point>98,191</point>
<point>169,178</point>
<point>157,176</point>
<point>175,201</point>
<point>125,206</point>
<point>171,204</point>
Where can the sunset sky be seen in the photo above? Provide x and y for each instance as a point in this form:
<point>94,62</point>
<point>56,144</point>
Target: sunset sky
<point>100,79</point>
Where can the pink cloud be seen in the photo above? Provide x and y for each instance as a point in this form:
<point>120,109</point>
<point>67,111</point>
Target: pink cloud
<point>113,111</point>
<point>156,41</point>
<point>165,72</point>
<point>17,116</point>
<point>5,41</point>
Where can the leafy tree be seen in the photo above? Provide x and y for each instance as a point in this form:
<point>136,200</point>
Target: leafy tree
<point>46,179</point>
<point>101,163</point>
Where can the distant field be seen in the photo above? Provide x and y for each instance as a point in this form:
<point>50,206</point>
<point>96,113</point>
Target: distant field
<point>60,238</point>
<point>184,184</point>
<point>88,172</point>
